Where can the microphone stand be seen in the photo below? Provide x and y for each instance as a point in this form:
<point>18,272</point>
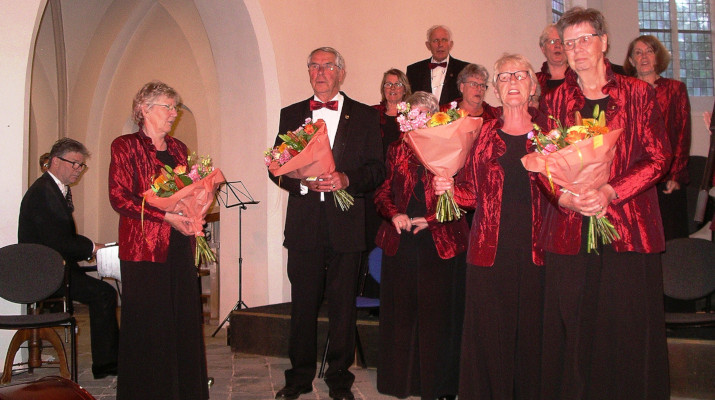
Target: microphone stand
<point>234,194</point>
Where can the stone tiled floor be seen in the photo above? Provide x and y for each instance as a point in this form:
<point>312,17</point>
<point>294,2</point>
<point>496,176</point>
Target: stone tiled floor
<point>236,376</point>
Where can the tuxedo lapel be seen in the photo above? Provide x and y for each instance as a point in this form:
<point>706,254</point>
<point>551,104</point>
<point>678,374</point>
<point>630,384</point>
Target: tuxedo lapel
<point>426,76</point>
<point>58,202</point>
<point>450,77</point>
<point>340,142</point>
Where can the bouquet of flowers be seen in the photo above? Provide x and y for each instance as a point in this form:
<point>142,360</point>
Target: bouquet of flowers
<point>577,158</point>
<point>442,143</point>
<point>304,154</point>
<point>188,191</point>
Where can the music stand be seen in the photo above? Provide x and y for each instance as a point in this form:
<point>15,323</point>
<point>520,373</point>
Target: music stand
<point>234,194</point>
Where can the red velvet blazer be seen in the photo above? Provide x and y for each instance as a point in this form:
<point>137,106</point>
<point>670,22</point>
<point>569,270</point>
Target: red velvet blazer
<point>642,157</point>
<point>484,194</point>
<point>131,170</point>
<point>394,194</point>
<point>674,103</point>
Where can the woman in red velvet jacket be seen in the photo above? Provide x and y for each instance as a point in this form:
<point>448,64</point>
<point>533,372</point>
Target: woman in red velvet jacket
<point>422,286</point>
<point>647,58</point>
<point>501,340</point>
<point>604,329</point>
<point>161,348</point>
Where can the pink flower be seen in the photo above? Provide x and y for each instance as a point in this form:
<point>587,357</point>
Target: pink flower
<point>284,157</point>
<point>550,148</point>
<point>194,173</point>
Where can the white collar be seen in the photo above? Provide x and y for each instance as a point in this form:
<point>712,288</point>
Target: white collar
<point>338,97</point>
<point>437,62</point>
<point>62,186</point>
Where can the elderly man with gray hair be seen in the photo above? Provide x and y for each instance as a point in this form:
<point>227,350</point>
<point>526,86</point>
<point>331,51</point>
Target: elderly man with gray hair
<point>325,243</point>
<point>46,218</point>
<point>438,74</point>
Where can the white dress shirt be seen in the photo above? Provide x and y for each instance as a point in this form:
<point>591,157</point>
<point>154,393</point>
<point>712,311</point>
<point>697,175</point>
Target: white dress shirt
<point>332,119</point>
<point>438,77</point>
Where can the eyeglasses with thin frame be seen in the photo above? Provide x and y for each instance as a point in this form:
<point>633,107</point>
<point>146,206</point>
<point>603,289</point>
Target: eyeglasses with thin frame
<point>554,42</point>
<point>315,67</point>
<point>570,44</point>
<point>390,85</point>
<point>518,75</point>
<point>168,107</point>
<point>75,165</point>
<point>476,85</point>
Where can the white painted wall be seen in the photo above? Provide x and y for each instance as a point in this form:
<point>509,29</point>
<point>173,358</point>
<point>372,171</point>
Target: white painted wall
<point>19,22</point>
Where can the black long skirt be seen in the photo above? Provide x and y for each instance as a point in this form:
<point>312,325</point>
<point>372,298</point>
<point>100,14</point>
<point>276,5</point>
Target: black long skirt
<point>501,342</point>
<point>421,309</point>
<point>604,328</point>
<point>161,345</point>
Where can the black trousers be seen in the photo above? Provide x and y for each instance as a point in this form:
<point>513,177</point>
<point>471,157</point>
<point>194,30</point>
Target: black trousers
<point>101,298</point>
<point>314,275</point>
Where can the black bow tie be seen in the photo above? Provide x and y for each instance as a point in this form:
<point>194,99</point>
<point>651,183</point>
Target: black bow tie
<point>317,105</point>
<point>443,64</point>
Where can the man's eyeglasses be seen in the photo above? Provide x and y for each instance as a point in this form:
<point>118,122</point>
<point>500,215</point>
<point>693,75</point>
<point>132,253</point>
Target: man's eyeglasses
<point>315,67</point>
<point>570,44</point>
<point>476,85</point>
<point>518,75</point>
<point>75,165</point>
<point>390,85</point>
<point>554,42</point>
<point>168,107</point>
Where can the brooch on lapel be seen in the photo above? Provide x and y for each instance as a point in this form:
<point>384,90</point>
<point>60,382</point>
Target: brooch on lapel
<point>347,116</point>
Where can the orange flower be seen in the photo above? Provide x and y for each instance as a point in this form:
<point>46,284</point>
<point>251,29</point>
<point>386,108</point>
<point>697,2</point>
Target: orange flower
<point>309,129</point>
<point>439,118</point>
<point>462,113</point>
<point>282,147</point>
<point>598,130</point>
<point>576,134</point>
<point>160,180</point>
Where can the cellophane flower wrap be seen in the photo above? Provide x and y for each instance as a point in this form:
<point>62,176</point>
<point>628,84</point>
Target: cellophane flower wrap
<point>305,154</point>
<point>577,158</point>
<point>188,191</point>
<point>442,142</point>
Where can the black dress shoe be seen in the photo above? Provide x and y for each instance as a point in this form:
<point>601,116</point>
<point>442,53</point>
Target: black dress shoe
<point>292,392</point>
<point>341,394</point>
<point>447,398</point>
<point>104,371</point>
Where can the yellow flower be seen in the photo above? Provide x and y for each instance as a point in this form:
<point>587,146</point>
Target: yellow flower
<point>439,118</point>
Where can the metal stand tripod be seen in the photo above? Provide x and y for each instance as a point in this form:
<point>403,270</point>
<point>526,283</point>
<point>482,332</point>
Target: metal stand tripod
<point>231,195</point>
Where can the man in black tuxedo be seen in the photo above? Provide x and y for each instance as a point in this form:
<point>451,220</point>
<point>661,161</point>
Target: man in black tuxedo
<point>325,243</point>
<point>46,218</point>
<point>437,75</point>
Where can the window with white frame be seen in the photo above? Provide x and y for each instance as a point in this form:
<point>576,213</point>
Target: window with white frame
<point>684,27</point>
